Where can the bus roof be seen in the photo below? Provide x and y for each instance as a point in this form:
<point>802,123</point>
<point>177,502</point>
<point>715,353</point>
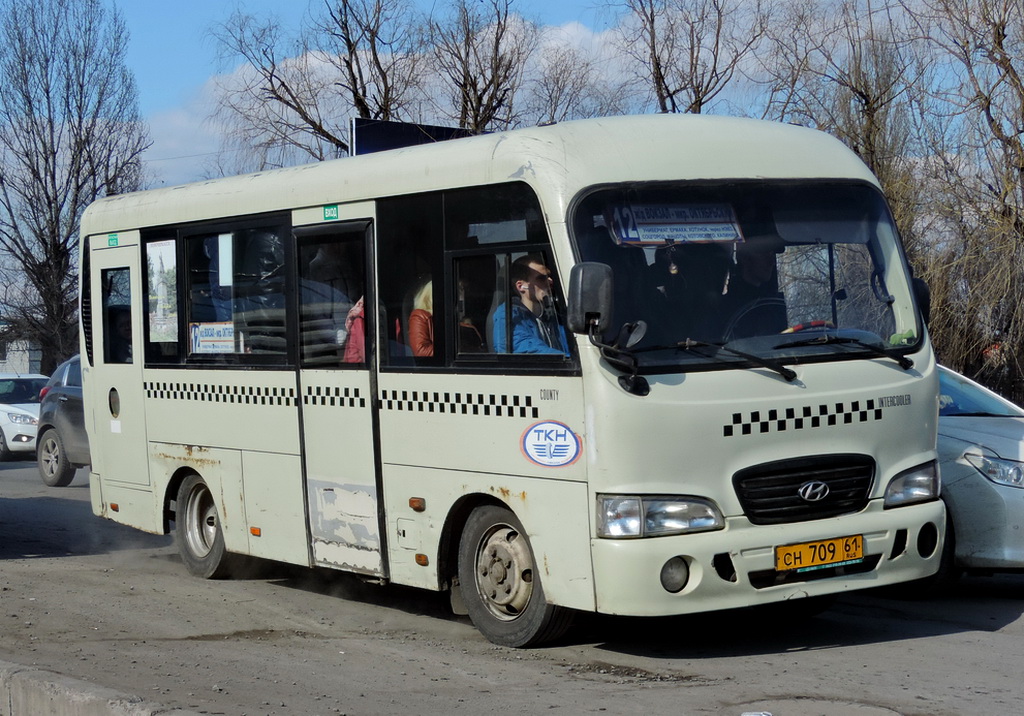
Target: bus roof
<point>559,160</point>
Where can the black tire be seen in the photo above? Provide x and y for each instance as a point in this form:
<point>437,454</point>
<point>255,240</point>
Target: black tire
<point>52,460</point>
<point>5,452</point>
<point>198,532</point>
<point>500,587</point>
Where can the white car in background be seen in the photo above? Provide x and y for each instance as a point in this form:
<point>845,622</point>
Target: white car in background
<point>981,454</point>
<point>19,412</point>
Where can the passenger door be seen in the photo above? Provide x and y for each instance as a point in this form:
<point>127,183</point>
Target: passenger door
<point>335,383</point>
<point>115,378</point>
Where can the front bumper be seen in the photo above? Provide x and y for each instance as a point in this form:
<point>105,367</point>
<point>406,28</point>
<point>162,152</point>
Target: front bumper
<point>20,441</point>
<point>735,567</point>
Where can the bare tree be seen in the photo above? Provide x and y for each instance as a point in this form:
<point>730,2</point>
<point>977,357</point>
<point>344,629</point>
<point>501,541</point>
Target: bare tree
<point>279,102</point>
<point>563,83</point>
<point>292,98</point>
<point>977,147</point>
<point>377,47</point>
<point>690,50</point>
<point>573,75</point>
<point>69,133</point>
<point>843,69</point>
<point>481,49</point>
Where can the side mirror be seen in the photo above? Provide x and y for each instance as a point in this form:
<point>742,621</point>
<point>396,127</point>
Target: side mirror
<point>923,294</point>
<point>590,297</point>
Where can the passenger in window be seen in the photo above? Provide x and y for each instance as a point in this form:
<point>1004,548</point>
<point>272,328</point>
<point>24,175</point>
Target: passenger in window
<point>355,327</point>
<point>421,322</point>
<point>535,328</point>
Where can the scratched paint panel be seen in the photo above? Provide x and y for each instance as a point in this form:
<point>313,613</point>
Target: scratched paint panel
<point>343,526</point>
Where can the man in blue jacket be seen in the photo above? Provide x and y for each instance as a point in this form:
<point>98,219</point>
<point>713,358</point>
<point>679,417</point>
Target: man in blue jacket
<point>535,329</point>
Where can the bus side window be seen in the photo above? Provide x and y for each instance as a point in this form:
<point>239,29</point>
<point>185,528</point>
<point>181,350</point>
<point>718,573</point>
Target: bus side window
<point>117,315</point>
<point>332,285</point>
<point>411,281</point>
<point>236,292</point>
<point>162,337</point>
<point>505,288</point>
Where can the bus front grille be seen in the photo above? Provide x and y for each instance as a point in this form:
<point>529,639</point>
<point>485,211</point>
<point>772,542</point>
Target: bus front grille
<point>802,489</point>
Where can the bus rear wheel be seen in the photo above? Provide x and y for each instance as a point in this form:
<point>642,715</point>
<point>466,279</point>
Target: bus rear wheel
<point>501,588</point>
<point>198,532</point>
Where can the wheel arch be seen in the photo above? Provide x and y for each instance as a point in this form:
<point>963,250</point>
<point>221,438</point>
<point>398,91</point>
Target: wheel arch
<point>170,494</point>
<point>451,534</point>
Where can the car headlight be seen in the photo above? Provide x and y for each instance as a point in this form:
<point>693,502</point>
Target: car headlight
<point>22,419</point>
<point>624,516</point>
<point>920,484</point>
<point>998,470</point>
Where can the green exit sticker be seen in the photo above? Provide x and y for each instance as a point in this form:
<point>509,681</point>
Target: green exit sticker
<point>111,239</point>
<point>331,212</point>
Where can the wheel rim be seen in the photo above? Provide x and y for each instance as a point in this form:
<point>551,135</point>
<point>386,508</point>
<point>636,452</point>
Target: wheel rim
<point>201,525</point>
<point>504,572</point>
<point>50,455</point>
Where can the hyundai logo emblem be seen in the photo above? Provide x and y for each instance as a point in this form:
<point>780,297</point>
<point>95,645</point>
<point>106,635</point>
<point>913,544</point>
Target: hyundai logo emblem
<point>813,491</point>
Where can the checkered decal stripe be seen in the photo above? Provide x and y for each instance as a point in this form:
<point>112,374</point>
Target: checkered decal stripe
<point>210,393</point>
<point>333,397</point>
<point>807,417</point>
<point>511,406</point>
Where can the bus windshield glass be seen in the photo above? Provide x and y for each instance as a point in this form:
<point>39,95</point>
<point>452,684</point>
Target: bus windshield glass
<point>734,272</point>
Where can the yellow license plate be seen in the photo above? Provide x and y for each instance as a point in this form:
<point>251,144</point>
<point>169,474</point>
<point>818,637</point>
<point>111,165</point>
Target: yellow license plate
<point>808,556</point>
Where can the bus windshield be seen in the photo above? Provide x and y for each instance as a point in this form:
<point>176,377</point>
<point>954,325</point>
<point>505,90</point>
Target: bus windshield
<point>730,272</point>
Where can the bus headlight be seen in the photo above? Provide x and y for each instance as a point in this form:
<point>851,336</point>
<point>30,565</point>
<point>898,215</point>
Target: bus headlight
<point>624,516</point>
<point>998,470</point>
<point>919,484</point>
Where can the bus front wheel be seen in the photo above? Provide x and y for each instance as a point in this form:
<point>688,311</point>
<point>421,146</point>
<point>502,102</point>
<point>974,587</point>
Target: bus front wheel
<point>198,531</point>
<point>500,585</point>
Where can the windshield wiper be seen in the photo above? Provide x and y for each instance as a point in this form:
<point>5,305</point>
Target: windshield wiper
<point>623,355</point>
<point>691,345</point>
<point>832,339</point>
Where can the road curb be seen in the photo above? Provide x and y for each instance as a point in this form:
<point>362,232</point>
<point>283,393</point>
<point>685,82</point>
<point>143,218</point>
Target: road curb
<point>25,691</point>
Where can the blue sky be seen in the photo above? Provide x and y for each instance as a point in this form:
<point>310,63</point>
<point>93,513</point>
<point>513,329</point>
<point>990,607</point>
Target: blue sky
<point>172,55</point>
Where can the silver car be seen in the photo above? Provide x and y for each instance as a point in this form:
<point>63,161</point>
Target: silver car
<point>981,451</point>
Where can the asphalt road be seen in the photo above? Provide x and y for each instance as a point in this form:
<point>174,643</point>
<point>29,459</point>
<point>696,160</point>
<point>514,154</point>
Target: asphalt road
<point>112,606</point>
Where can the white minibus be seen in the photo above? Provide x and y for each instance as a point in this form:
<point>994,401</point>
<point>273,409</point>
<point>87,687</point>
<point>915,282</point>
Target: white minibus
<point>637,366</point>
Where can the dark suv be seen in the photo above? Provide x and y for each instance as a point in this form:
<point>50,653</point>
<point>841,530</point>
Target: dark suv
<point>62,446</point>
